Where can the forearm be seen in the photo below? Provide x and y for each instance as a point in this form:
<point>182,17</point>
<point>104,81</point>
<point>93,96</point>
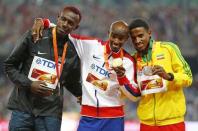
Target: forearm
<point>18,78</point>
<point>75,89</point>
<point>130,89</point>
<point>180,69</point>
<point>182,80</point>
<point>72,81</point>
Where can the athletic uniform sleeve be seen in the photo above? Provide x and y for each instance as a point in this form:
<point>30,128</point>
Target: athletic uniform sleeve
<point>128,84</point>
<point>76,39</point>
<point>181,70</point>
<point>15,61</point>
<point>80,45</point>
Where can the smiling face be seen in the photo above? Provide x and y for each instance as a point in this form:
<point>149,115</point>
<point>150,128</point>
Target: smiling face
<point>140,38</point>
<point>118,35</point>
<point>67,22</point>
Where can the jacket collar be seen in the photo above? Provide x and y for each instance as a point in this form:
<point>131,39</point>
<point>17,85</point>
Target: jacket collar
<point>147,55</point>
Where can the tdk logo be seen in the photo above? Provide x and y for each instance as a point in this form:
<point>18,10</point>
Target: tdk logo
<point>100,70</point>
<point>45,63</point>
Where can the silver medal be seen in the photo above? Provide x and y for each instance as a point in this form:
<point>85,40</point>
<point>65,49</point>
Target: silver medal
<point>147,70</point>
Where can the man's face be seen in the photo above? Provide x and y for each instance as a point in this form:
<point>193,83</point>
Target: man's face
<point>140,38</point>
<point>67,22</point>
<point>117,38</point>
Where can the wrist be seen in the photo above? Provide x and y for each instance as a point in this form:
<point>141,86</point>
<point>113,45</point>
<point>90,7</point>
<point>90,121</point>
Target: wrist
<point>171,77</point>
<point>120,76</point>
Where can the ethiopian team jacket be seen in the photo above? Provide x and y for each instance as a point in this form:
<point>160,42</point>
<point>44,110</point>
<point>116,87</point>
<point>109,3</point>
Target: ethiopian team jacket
<point>101,87</point>
<point>166,107</point>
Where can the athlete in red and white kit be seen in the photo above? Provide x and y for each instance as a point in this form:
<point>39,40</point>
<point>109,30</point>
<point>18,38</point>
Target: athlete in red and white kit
<point>102,106</point>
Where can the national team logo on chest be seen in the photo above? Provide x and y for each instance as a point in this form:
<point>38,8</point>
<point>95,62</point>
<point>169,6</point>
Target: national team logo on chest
<point>160,56</point>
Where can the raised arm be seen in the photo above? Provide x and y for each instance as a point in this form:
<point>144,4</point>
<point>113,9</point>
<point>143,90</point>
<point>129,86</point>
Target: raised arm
<point>127,82</point>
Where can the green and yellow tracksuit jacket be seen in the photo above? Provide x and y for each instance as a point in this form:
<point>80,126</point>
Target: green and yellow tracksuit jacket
<point>167,107</point>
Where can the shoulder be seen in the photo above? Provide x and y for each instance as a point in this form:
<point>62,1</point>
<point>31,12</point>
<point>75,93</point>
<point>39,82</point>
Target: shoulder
<point>26,38</point>
<point>127,55</point>
<point>168,44</point>
<point>83,37</point>
<point>27,34</point>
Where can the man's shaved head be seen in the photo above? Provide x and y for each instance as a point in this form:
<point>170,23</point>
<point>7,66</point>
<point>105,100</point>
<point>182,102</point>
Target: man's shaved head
<point>118,35</point>
<point>120,27</point>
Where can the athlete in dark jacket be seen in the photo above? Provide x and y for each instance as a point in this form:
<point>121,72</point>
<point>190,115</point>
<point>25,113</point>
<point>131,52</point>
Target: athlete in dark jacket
<point>36,107</point>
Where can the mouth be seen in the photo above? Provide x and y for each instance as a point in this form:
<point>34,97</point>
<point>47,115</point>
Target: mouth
<point>116,45</point>
<point>139,45</point>
<point>62,31</point>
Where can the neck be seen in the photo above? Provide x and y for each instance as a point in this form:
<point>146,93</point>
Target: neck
<point>149,45</point>
<point>63,38</point>
<point>145,51</point>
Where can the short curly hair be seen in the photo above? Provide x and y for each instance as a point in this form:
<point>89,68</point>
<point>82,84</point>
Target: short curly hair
<point>73,9</point>
<point>139,23</point>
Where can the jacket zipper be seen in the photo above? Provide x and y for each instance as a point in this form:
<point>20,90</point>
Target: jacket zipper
<point>97,103</point>
<point>154,117</point>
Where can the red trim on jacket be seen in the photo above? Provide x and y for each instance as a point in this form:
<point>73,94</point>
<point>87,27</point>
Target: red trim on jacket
<point>46,23</point>
<point>123,80</point>
<point>126,54</point>
<point>82,37</point>
<point>102,112</point>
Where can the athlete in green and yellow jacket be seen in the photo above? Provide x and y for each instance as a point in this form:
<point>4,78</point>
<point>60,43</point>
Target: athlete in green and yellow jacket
<point>164,109</point>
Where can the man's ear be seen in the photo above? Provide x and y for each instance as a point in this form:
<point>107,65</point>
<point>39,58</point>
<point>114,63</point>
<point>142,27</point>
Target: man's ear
<point>149,32</point>
<point>109,33</point>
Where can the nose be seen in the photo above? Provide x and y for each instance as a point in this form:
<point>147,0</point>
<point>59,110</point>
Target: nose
<point>137,40</point>
<point>65,23</point>
<point>116,40</point>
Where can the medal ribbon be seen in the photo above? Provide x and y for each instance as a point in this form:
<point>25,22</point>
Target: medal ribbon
<point>147,59</point>
<point>56,53</point>
<point>106,56</point>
